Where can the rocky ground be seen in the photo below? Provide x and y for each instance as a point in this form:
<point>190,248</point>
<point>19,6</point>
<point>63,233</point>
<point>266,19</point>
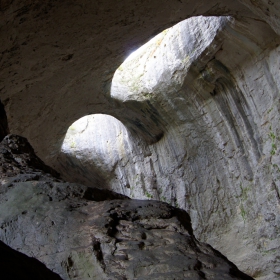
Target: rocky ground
<point>88,233</point>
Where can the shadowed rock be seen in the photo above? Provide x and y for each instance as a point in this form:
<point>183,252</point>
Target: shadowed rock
<point>4,130</point>
<point>80,234</point>
<point>218,154</point>
<point>15,265</point>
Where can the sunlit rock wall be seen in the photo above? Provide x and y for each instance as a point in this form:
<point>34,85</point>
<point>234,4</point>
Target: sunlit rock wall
<point>207,90</point>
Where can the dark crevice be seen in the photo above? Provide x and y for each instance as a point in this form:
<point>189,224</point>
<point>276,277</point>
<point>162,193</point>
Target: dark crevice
<point>70,264</point>
<point>184,219</point>
<point>233,270</point>
<point>198,267</point>
<point>96,194</point>
<point>276,190</point>
<point>239,274</point>
<point>96,245</point>
<point>112,225</point>
<point>4,129</point>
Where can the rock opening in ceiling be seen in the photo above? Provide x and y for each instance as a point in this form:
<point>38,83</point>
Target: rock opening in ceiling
<point>147,91</point>
<point>95,145</point>
<point>198,130</point>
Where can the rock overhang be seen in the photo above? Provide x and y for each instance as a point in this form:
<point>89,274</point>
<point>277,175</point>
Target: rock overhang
<point>46,82</point>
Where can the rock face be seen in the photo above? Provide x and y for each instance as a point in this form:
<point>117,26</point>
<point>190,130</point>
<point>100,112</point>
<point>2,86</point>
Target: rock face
<point>79,235</point>
<point>18,157</point>
<point>215,106</point>
<point>201,133</point>
<point>58,58</point>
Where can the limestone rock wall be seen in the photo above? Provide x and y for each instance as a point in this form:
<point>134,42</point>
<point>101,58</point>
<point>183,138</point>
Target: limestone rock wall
<point>207,142</point>
<point>58,57</point>
<point>79,234</point>
<point>209,88</point>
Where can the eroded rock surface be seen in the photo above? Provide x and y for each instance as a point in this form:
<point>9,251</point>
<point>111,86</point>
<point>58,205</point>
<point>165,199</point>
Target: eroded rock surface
<point>208,143</point>
<point>80,237</point>
<point>217,105</point>
<point>58,57</point>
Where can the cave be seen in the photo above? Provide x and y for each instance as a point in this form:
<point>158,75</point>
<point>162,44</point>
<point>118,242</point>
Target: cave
<point>159,125</point>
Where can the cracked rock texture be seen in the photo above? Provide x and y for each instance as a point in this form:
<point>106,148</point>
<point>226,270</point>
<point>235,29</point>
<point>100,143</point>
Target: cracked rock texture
<point>79,235</point>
